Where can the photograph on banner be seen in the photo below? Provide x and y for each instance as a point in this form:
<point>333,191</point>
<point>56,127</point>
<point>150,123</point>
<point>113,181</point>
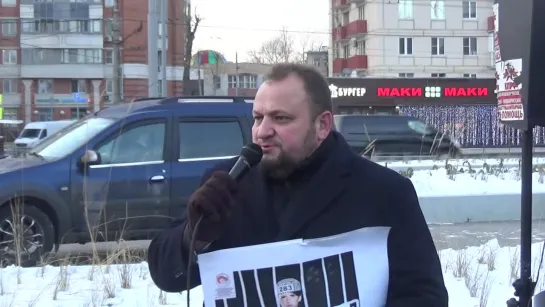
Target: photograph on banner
<point>348,270</point>
<point>509,86</point>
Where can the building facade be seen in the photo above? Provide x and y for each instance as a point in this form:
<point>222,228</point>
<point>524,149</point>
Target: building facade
<point>319,59</point>
<point>57,55</point>
<point>412,39</point>
<point>221,79</point>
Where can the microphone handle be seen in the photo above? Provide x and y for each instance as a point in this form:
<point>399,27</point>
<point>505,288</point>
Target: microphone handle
<point>240,168</point>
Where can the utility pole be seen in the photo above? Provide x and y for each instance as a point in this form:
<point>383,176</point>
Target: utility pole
<point>116,54</point>
<point>153,55</point>
<point>164,18</point>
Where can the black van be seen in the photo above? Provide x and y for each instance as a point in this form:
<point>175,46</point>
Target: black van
<point>394,135</point>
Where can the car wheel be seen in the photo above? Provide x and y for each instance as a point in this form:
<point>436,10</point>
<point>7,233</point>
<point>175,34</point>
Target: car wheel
<point>26,235</point>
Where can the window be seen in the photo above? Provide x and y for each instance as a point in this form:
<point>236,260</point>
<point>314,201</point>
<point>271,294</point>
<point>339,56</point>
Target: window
<point>217,82</point>
<point>44,114</point>
<point>10,86</point>
<point>78,86</point>
<point>11,3</point>
<point>437,46</point>
<point>210,139</point>
<point>438,10</point>
<point>470,46</point>
<point>360,47</point>
<point>406,75</point>
<point>9,27</point>
<point>109,3</point>
<point>346,51</point>
<point>45,86</point>
<point>9,56</point>
<point>361,12</point>
<point>439,75</point>
<point>74,136</point>
<point>405,9</point>
<point>405,46</point>
<point>469,9</point>
<point>472,76</point>
<point>77,113</point>
<point>244,81</point>
<point>95,26</point>
<point>108,57</point>
<point>139,144</point>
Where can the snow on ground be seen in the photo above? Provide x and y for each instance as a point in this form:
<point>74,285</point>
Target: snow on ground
<point>439,183</point>
<point>474,162</point>
<point>473,276</point>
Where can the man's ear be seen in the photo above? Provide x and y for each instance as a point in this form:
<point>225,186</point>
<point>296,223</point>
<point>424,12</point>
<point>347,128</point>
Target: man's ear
<point>324,125</point>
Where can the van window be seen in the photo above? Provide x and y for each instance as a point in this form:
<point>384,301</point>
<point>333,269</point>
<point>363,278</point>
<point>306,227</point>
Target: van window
<point>143,143</point>
<point>30,133</point>
<point>208,139</point>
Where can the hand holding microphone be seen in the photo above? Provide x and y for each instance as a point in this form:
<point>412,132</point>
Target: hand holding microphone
<point>212,203</point>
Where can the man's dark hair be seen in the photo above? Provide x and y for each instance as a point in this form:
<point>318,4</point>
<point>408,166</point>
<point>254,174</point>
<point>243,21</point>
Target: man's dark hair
<point>315,84</point>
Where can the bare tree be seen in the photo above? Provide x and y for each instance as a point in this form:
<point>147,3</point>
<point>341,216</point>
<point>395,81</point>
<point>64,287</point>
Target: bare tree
<point>279,49</point>
<point>191,26</point>
<point>306,44</point>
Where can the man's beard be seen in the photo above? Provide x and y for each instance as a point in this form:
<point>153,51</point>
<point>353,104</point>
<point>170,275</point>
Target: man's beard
<point>283,165</point>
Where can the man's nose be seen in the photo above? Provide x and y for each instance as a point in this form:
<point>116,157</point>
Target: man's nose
<point>265,129</point>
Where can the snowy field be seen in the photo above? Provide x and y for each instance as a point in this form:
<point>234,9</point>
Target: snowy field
<point>477,276</point>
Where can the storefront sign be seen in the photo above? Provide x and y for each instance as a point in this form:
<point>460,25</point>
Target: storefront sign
<point>346,91</point>
<point>432,92</point>
<point>399,92</point>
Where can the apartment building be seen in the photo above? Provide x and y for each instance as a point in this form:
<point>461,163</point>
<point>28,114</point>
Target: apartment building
<point>57,55</point>
<point>412,38</point>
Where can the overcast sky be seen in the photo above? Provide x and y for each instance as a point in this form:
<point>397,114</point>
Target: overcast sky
<point>229,26</point>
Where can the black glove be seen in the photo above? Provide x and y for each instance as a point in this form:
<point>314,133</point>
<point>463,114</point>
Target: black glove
<point>213,201</point>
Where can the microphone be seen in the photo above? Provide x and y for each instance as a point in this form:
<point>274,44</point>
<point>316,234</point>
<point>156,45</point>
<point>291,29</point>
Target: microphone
<point>250,155</point>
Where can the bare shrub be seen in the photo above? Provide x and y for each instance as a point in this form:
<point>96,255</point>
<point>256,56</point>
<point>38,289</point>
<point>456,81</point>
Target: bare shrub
<point>108,287</point>
<point>461,264</point>
<point>491,259</point>
<point>481,255</point>
<point>162,298</point>
<point>125,269</point>
<point>2,289</point>
<point>62,282</point>
<point>473,281</point>
<point>484,293</point>
<point>514,265</point>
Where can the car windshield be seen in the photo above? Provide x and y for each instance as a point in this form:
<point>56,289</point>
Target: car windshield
<point>70,138</point>
<point>421,127</point>
<point>30,133</point>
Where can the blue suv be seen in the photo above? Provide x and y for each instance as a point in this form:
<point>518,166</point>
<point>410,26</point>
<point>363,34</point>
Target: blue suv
<point>123,172</point>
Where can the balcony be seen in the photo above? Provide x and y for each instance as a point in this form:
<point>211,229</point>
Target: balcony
<point>337,3</point>
<point>357,62</point>
<point>357,27</point>
<point>339,65</point>
<point>340,33</point>
<point>61,71</point>
<point>69,41</point>
<point>490,23</point>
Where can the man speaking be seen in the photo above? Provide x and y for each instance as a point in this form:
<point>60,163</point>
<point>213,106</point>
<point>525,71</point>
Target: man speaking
<point>309,184</point>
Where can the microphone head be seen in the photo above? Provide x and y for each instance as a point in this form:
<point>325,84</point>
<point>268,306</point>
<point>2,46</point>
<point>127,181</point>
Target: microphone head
<point>252,153</point>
